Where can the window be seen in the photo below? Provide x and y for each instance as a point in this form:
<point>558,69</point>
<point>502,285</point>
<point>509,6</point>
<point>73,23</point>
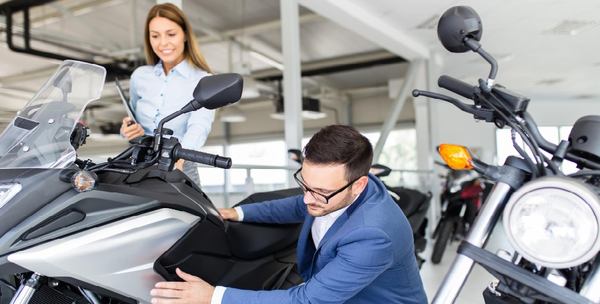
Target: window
<point>553,134</point>
<point>266,153</point>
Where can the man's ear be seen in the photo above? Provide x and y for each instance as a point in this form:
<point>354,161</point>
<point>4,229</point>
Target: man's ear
<point>359,185</point>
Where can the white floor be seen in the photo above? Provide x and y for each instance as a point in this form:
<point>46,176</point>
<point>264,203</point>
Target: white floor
<point>479,279</point>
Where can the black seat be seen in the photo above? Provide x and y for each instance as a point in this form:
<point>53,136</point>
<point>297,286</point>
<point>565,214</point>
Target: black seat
<point>409,200</point>
<point>250,241</point>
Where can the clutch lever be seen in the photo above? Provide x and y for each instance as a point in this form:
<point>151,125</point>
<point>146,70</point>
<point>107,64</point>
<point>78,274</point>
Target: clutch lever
<point>479,113</point>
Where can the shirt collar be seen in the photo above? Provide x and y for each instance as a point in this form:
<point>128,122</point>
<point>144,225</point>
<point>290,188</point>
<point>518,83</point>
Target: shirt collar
<point>183,68</point>
<point>335,214</point>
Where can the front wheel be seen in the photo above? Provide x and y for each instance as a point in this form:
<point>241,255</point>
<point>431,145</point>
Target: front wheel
<point>443,235</point>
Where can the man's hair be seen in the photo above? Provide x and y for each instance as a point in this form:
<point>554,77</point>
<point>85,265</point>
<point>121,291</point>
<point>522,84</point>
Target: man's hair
<point>339,144</point>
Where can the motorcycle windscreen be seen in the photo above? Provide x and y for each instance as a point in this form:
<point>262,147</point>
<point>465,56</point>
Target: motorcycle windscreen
<point>39,136</point>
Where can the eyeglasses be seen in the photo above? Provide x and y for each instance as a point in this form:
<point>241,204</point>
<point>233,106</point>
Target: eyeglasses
<point>316,195</point>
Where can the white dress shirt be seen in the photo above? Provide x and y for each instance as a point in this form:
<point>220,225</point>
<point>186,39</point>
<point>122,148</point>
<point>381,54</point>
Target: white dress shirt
<point>154,95</point>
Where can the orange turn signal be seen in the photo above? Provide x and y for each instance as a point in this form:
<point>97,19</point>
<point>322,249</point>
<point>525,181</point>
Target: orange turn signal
<point>456,157</point>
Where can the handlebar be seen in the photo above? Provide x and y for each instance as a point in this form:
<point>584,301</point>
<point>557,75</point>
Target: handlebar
<point>202,158</point>
<point>456,86</point>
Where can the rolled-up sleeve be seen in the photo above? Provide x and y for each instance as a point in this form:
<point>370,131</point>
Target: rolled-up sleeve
<point>198,127</point>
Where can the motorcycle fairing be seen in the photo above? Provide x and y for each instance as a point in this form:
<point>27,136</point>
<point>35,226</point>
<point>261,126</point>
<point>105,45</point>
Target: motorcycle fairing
<point>118,256</point>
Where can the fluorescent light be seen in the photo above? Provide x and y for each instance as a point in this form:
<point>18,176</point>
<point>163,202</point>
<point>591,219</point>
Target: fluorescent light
<point>311,109</point>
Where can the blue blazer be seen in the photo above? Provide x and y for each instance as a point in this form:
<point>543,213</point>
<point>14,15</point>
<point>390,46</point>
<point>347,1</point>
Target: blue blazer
<point>367,256</point>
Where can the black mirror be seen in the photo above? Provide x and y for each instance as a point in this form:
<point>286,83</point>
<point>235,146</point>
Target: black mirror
<point>296,155</point>
<point>456,24</point>
<point>216,91</point>
<point>380,170</point>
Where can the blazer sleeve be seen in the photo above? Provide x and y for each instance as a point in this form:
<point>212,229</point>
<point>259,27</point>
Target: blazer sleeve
<point>280,211</point>
<point>361,257</point>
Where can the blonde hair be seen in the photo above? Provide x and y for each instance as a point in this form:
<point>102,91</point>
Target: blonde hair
<point>191,50</point>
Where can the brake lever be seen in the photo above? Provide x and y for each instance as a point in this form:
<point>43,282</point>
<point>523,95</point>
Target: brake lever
<point>478,113</point>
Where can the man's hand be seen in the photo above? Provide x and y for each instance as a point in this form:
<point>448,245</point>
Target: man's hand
<point>193,291</point>
<point>131,130</point>
<point>229,214</point>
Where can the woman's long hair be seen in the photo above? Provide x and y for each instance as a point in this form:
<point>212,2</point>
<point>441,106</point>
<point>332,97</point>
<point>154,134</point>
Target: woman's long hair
<point>191,50</point>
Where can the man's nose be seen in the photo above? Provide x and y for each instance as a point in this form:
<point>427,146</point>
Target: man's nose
<point>309,198</point>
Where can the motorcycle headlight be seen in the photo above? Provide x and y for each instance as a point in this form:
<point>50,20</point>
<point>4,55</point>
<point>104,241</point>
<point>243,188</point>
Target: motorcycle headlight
<point>554,222</point>
<point>7,192</point>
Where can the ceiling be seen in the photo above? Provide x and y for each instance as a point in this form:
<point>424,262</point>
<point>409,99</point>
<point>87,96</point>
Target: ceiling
<point>546,49</point>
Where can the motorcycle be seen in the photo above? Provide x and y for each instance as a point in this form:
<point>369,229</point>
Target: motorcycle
<point>551,219</point>
<point>414,204</point>
<point>461,198</point>
<point>72,231</point>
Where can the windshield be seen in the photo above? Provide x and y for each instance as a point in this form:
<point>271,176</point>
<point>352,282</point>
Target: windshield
<point>39,136</point>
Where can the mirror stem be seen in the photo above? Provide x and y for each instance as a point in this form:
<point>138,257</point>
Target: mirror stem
<point>159,129</point>
<point>476,47</point>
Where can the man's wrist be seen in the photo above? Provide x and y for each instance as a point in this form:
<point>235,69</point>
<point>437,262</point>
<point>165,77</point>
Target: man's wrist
<point>240,213</point>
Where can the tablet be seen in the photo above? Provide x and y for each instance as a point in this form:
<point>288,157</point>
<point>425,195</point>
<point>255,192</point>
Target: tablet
<point>126,103</point>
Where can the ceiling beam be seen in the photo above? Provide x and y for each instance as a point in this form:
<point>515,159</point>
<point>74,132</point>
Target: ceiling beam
<point>368,25</point>
<point>334,65</point>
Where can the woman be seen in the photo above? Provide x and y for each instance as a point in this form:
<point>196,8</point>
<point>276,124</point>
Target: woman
<point>175,65</point>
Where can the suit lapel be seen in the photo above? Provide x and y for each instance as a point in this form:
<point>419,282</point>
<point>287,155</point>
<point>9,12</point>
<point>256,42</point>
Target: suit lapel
<point>306,248</point>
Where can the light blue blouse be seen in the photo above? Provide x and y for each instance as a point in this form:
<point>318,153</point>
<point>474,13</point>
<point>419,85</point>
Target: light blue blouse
<point>155,95</point>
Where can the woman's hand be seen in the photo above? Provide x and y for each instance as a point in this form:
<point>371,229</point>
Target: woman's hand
<point>130,129</point>
<point>179,165</point>
<point>229,214</point>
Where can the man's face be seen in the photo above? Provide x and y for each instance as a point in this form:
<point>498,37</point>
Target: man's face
<point>325,180</point>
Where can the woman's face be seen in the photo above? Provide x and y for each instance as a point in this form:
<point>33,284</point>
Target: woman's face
<point>168,41</point>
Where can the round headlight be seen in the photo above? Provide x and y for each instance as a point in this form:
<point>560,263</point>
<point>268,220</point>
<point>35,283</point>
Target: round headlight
<point>554,222</point>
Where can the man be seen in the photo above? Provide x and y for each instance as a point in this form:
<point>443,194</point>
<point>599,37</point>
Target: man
<point>355,246</point>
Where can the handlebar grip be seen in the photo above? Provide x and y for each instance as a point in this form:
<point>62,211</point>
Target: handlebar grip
<point>203,158</point>
<point>459,87</point>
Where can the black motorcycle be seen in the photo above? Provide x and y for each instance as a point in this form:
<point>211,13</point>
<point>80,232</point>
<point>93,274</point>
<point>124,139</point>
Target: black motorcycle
<point>72,231</point>
<point>551,219</point>
<point>414,204</point>
<point>461,198</point>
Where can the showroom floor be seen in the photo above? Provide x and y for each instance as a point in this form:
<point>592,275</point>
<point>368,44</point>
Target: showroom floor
<point>433,275</point>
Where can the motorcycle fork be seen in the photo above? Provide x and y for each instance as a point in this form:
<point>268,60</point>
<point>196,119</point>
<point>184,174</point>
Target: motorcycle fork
<point>26,290</point>
<point>477,236</point>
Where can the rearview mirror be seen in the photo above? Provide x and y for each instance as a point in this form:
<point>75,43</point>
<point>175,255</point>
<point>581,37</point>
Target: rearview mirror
<point>456,24</point>
<point>216,91</point>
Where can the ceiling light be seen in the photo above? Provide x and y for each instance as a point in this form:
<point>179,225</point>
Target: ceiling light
<point>570,27</point>
<point>311,109</point>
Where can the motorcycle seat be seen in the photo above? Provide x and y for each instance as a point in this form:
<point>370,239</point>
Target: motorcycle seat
<point>251,241</point>
<point>409,200</point>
